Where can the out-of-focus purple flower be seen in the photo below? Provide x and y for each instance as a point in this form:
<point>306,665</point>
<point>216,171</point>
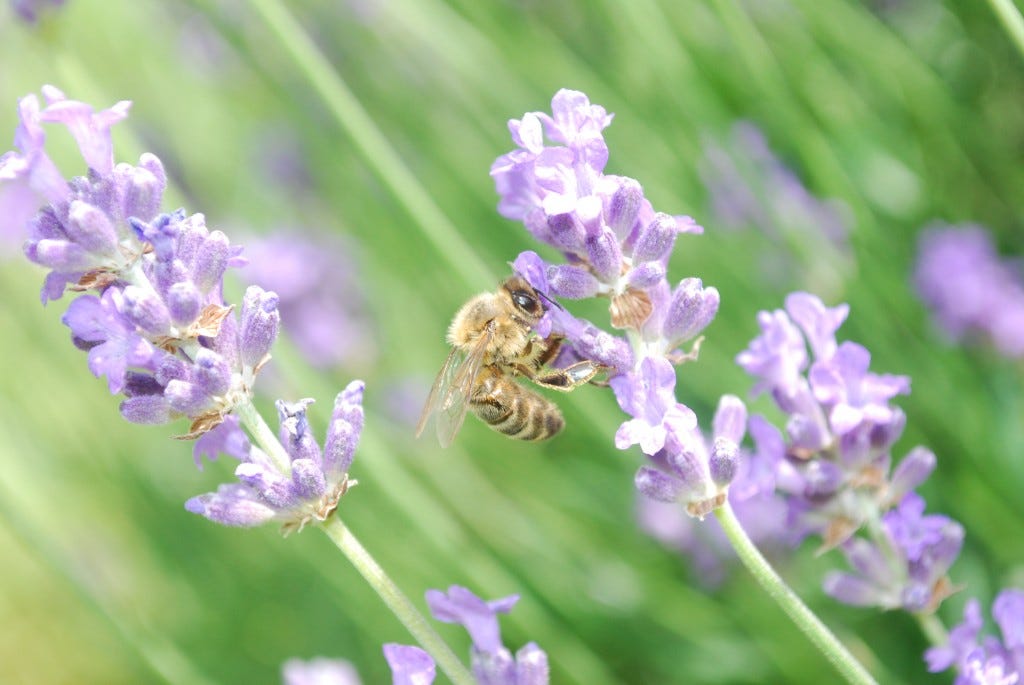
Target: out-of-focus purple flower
<point>833,463</point>
<point>321,300</point>
<point>28,177</point>
<point>912,574</point>
<point>315,479</point>
<point>409,665</point>
<point>992,661</point>
<point>491,661</point>
<point>777,357</point>
<point>31,10</point>
<point>970,291</point>
<point>319,671</point>
<point>752,190</point>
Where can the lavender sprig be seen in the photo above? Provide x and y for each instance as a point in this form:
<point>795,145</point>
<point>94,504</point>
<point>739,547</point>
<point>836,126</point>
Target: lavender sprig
<point>160,332</point>
<point>833,463</point>
<point>615,245</point>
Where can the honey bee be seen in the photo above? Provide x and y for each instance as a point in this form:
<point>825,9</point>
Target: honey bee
<point>493,342</point>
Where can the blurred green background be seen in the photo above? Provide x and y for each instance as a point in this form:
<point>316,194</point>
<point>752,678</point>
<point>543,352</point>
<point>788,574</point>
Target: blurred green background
<point>902,111</point>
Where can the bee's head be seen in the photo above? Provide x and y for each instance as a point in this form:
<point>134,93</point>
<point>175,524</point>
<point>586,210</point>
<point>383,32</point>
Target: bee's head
<point>524,298</point>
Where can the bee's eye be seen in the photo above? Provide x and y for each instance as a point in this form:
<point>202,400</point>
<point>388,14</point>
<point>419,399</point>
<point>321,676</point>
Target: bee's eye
<point>524,301</point>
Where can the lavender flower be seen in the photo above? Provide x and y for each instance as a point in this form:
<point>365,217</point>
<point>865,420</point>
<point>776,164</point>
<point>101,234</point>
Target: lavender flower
<point>28,177</point>
<point>751,189</point>
<point>685,468</point>
<point>969,289</point>
<point>616,246</point>
<point>833,465</point>
<point>761,510</point>
<point>306,489</point>
<point>492,662</point>
<point>319,671</point>
<point>615,243</point>
<point>907,571</point>
<point>322,303</point>
<point>991,661</point>
<point>157,328</point>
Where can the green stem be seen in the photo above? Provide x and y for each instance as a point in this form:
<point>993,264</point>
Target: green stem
<point>263,436</point>
<point>933,629</point>
<point>1011,20</point>
<point>373,145</point>
<point>805,619</point>
<point>396,600</point>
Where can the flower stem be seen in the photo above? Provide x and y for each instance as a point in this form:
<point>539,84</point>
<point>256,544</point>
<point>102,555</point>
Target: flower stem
<point>933,629</point>
<point>396,600</point>
<point>805,619</point>
<point>1012,21</point>
<point>263,436</point>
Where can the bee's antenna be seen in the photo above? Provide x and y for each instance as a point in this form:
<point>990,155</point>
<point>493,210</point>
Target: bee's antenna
<point>548,299</point>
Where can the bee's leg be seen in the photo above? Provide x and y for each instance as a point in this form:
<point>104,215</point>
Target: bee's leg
<point>552,345</point>
<point>570,377</point>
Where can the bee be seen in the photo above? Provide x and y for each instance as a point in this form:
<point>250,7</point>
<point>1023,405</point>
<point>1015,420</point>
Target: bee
<point>492,343</point>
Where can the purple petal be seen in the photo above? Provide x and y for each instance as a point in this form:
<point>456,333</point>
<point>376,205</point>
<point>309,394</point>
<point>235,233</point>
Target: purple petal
<point>532,666</point>
<point>91,131</point>
<point>231,505</point>
<point>730,418</point>
<point>260,321</point>
<point>227,437</point>
<point>478,617</point>
<point>818,322</point>
<point>409,665</point>
<point>344,430</point>
<point>657,485</point>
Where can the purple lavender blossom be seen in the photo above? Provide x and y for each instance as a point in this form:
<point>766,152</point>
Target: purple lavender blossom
<point>319,671</point>
<point>991,661</point>
<point>686,468</point>
<point>833,463</point>
<point>751,189</point>
<point>322,302</point>
<point>409,665</point>
<point>616,246</point>
<point>158,328</point>
<point>28,177</point>
<point>971,292</point>
<point>491,661</point>
<point>315,479</point>
<point>761,510</point>
<point>615,243</point>
<point>907,571</point>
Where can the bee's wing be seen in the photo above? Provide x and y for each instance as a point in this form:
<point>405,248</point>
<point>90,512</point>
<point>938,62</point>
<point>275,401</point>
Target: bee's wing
<point>440,389</point>
<point>450,394</point>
